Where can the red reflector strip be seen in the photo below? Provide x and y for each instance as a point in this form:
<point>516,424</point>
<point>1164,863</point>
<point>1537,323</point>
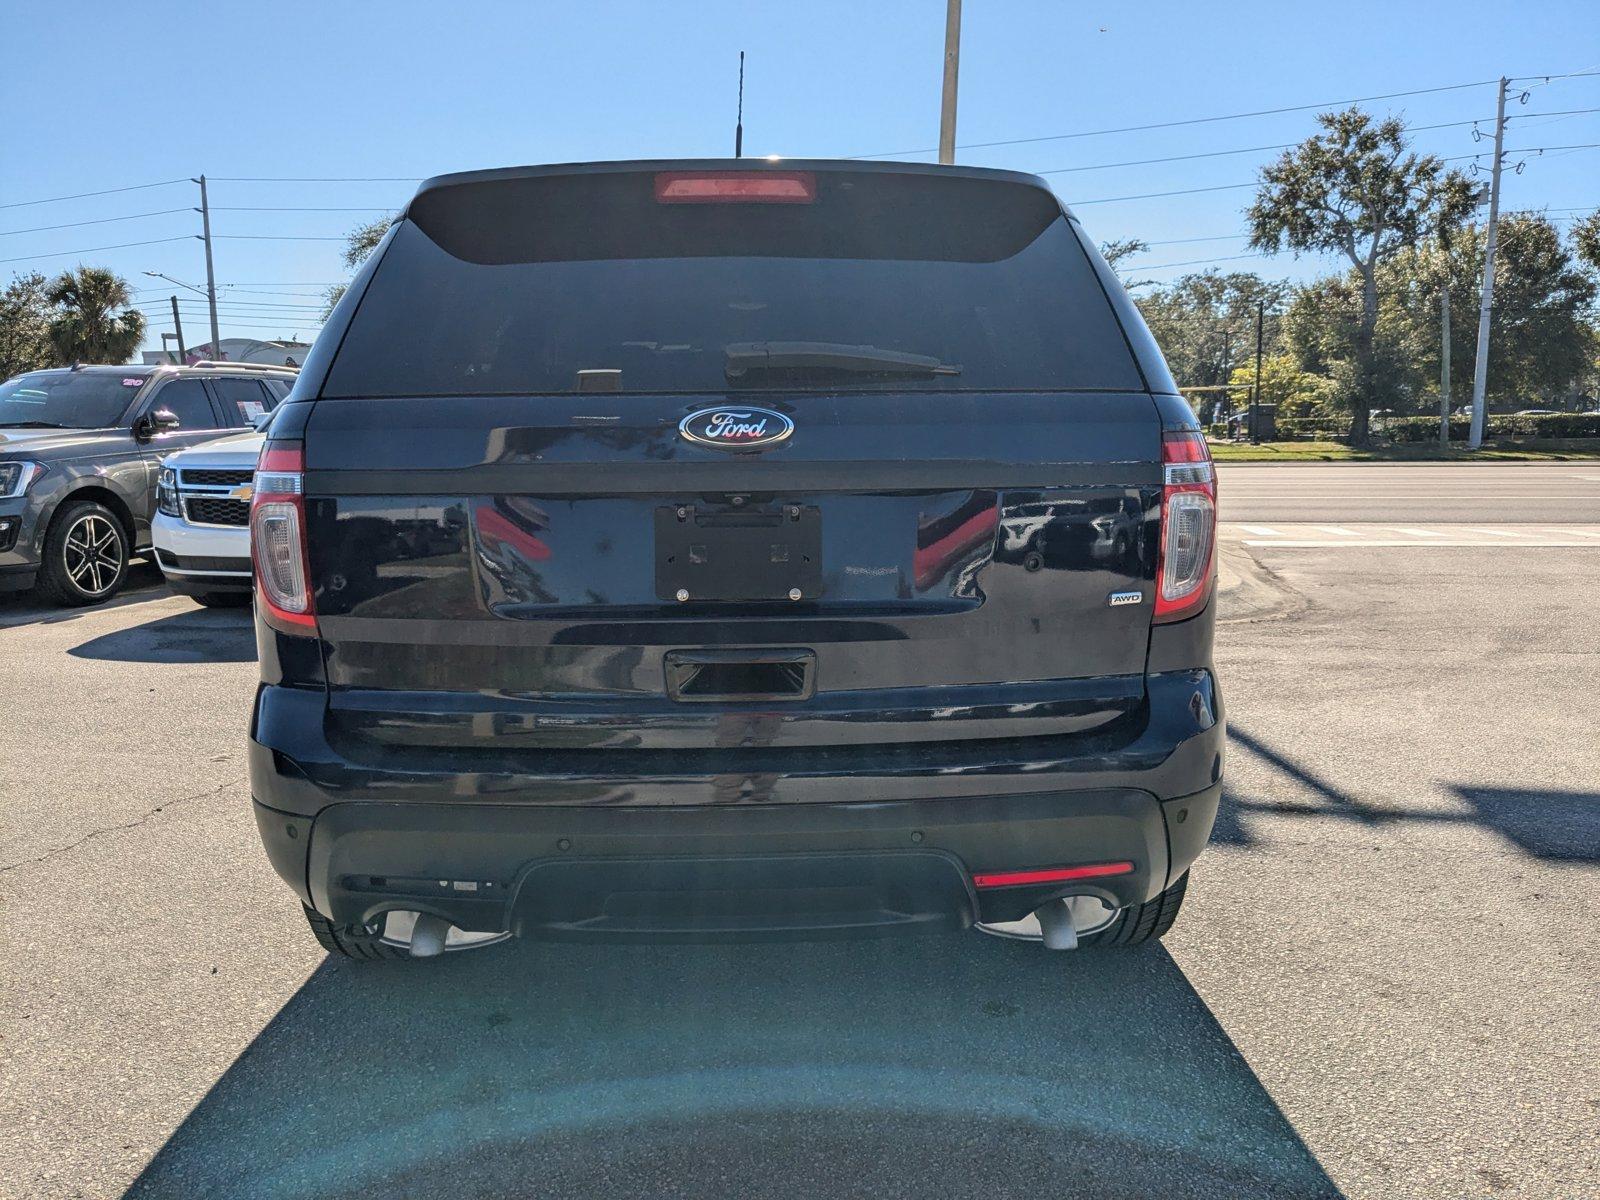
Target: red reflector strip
<point>996,879</point>
<point>736,187</point>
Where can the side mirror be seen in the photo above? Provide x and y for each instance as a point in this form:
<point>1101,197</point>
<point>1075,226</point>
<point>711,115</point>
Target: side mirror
<point>260,423</point>
<point>162,420</point>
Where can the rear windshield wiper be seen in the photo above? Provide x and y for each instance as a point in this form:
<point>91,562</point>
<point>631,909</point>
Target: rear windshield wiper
<point>798,358</point>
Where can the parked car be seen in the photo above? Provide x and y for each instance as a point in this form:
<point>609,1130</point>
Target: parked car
<point>80,448</point>
<point>201,529</point>
<point>854,576</point>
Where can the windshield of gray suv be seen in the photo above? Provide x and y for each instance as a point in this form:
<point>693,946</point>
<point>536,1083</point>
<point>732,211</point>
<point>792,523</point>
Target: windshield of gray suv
<point>65,399</point>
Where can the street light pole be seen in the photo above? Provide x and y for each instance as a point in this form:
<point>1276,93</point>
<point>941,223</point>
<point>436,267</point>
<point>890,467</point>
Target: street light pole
<point>1444,359</point>
<point>1480,366</point>
<point>211,277</point>
<point>1255,392</point>
<point>952,66</point>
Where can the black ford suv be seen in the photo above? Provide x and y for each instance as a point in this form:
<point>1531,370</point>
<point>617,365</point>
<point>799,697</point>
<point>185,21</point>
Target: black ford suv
<point>80,453</point>
<point>726,549</point>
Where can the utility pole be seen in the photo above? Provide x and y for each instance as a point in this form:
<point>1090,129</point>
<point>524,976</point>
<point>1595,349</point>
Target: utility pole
<point>177,323</point>
<point>738,121</point>
<point>211,277</point>
<point>1255,395</point>
<point>1227,367</point>
<point>952,66</point>
<point>1480,366</point>
<point>1444,360</point>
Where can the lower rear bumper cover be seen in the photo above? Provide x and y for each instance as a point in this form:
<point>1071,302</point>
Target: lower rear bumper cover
<point>823,869</point>
<point>355,841</point>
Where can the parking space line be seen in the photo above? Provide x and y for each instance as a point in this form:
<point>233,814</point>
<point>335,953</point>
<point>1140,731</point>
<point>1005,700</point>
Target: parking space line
<point>1424,533</point>
<point>1337,530</point>
<point>1511,533</point>
<point>1259,530</point>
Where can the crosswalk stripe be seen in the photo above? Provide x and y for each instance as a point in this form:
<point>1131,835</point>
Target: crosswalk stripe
<point>1337,530</point>
<point>1259,530</point>
<point>1501,532</point>
<point>1418,532</point>
<point>1581,533</point>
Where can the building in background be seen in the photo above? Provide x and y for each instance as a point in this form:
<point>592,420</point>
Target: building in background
<point>240,350</point>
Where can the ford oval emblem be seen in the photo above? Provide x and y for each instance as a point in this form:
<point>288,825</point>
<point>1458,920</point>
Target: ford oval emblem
<point>729,428</point>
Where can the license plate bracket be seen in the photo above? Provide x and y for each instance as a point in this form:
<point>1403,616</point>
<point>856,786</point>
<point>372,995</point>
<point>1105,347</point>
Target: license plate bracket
<point>706,553</point>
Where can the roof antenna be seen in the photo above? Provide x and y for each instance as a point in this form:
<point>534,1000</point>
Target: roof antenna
<point>738,125</point>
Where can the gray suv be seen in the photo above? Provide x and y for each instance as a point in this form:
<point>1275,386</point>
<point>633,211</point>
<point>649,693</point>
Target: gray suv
<point>80,452</point>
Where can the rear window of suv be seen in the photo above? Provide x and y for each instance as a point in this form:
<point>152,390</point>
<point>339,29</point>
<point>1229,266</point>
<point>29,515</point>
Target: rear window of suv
<point>879,280</point>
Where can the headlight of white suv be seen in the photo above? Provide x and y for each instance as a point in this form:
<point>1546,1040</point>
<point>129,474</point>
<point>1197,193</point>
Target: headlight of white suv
<point>167,492</point>
<point>17,477</point>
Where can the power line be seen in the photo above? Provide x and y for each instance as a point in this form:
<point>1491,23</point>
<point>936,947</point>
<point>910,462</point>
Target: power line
<point>1546,80</point>
<point>95,249</point>
<point>1262,112</point>
<point>1194,262</point>
<point>273,237</point>
<point>1221,187</point>
<point>317,178</point>
<point>281,208</point>
<point>101,221</point>
<point>104,192</point>
<point>1144,162</point>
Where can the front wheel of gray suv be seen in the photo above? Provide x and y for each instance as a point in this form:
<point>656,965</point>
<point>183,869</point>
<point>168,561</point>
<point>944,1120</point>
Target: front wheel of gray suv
<point>85,555</point>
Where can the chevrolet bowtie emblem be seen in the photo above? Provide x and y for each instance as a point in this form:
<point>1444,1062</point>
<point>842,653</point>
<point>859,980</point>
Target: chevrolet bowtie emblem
<point>243,492</point>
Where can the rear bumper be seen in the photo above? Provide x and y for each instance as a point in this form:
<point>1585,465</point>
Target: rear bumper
<point>849,846</point>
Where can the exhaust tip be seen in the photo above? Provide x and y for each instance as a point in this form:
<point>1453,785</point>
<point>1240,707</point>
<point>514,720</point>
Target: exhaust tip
<point>1056,926</point>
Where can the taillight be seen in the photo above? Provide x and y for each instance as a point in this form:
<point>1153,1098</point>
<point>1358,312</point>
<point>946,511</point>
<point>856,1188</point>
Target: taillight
<point>1184,560</point>
<point>278,539</point>
<point>736,187</point>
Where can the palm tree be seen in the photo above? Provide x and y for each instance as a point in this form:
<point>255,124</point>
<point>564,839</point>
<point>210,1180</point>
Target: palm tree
<point>86,326</point>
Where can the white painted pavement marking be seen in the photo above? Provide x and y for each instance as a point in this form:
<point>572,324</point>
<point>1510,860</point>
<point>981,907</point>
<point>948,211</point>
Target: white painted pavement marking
<point>1295,535</point>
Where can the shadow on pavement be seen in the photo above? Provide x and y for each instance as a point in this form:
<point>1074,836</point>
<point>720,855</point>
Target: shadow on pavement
<point>1562,826</point>
<point>144,583</point>
<point>206,635</point>
<point>943,1066</point>
<point>1558,826</point>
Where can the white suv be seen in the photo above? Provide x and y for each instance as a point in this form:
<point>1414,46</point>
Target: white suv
<point>201,527</point>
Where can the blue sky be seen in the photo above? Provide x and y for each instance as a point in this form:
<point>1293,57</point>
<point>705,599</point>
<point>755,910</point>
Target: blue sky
<point>111,95</point>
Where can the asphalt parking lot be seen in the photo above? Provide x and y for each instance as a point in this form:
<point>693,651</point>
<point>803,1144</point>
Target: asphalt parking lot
<point>1383,983</point>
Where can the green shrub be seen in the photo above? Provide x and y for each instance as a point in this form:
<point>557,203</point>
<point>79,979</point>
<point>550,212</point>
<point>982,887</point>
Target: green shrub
<point>1551,425</point>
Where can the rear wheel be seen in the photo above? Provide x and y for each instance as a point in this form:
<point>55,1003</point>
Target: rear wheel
<point>85,555</point>
<point>348,941</point>
<point>1141,922</point>
<point>222,599</point>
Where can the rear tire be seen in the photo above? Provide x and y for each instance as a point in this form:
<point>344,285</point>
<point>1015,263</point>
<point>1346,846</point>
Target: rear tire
<point>346,941</point>
<point>1141,922</point>
<point>222,599</point>
<point>86,554</point>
